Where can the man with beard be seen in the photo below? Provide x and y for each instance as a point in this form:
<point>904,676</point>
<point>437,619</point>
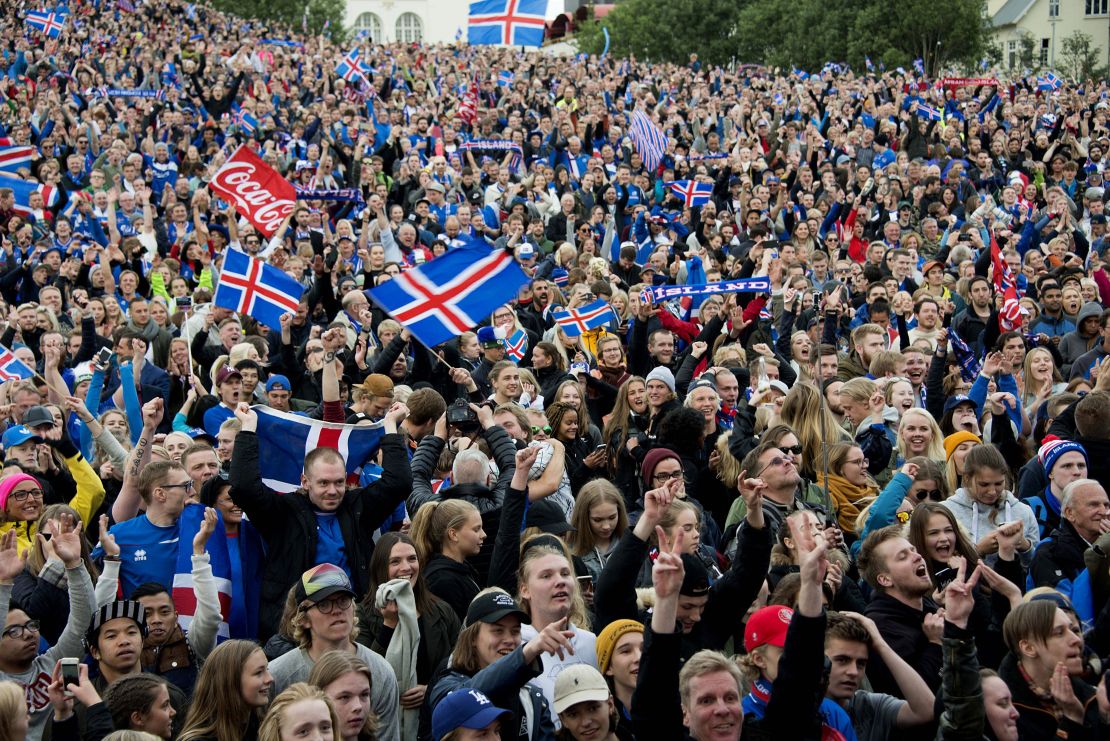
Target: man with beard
<point>1052,321</point>
<point>972,321</point>
<point>927,311</point>
<point>904,614</point>
<point>326,617</point>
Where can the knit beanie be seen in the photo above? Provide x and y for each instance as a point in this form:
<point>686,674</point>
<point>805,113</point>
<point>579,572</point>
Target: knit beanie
<point>9,484</point>
<point>608,638</point>
<point>654,457</point>
<point>662,374</point>
<point>954,440</point>
<point>1051,451</point>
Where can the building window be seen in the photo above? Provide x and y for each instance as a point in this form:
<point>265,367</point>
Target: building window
<point>1012,55</point>
<point>1096,7</point>
<point>410,30</point>
<point>1053,8</point>
<point>371,24</point>
<point>1044,52</point>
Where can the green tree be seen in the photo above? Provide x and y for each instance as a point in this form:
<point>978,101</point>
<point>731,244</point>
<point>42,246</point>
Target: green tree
<point>291,13</point>
<point>666,31</point>
<point>1078,59</point>
<point>1027,46</point>
<point>939,32</point>
<point>772,32</point>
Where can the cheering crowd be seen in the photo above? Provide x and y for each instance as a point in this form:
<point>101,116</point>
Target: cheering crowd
<point>868,501</point>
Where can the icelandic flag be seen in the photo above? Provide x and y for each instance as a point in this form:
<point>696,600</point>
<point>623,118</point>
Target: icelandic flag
<point>577,321</point>
<point>648,139</point>
<point>248,123</point>
<point>868,64</point>
<point>928,112</point>
<point>1049,82</point>
<point>51,24</point>
<point>249,286</point>
<point>184,598</point>
<point>919,66</point>
<point>11,367</point>
<point>13,158</point>
<point>516,345</point>
<point>440,299</point>
<point>23,190</point>
<point>288,438</point>
<point>692,193</point>
<point>350,68</point>
<point>507,22</point>
<point>505,78</point>
<point>969,366</point>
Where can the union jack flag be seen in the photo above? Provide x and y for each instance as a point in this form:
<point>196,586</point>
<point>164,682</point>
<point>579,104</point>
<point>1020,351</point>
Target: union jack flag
<point>508,22</point>
<point>648,140</point>
<point>11,367</point>
<point>1049,82</point>
<point>51,24</point>
<point>577,321</point>
<point>13,158</point>
<point>249,286</point>
<point>516,345</point>
<point>439,300</point>
<point>692,192</point>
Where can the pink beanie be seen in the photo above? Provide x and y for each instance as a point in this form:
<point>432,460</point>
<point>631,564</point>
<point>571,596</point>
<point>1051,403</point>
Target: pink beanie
<point>10,483</point>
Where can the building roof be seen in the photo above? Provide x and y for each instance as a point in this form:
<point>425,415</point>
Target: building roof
<point>1012,12</point>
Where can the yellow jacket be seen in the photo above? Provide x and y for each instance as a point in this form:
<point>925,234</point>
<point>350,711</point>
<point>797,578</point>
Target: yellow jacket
<point>90,495</point>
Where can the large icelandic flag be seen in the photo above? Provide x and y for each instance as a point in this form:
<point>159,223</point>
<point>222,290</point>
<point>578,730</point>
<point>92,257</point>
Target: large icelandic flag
<point>22,190</point>
<point>250,286</point>
<point>51,24</point>
<point>11,367</point>
<point>13,158</point>
<point>288,438</point>
<point>451,294</point>
<point>507,22</point>
<point>183,596</point>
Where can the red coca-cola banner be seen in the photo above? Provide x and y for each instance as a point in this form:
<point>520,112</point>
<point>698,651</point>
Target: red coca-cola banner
<point>256,189</point>
<point>968,81</point>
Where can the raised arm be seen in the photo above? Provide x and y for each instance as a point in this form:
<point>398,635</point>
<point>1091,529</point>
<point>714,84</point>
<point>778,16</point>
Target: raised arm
<point>127,503</point>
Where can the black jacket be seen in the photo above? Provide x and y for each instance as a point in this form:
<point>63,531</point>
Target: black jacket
<point>453,582</point>
<point>287,522</point>
<point>901,627</point>
<point>1038,721</point>
<point>439,629</point>
<point>1058,557</point>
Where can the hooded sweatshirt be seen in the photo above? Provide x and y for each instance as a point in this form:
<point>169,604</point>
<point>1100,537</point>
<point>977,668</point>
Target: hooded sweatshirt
<point>979,520</point>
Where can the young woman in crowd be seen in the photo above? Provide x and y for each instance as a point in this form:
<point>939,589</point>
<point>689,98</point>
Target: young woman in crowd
<point>445,534</point>
<point>301,711</point>
<point>346,680</point>
<point>231,693</point>
<point>585,707</point>
<point>627,421</point>
<point>600,521</point>
<point>849,483</point>
<point>956,447</point>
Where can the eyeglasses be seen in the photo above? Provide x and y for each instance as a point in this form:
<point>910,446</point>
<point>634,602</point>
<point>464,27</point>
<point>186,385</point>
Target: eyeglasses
<point>792,450</point>
<point>17,631</point>
<point>21,496</point>
<point>932,494</point>
<point>857,462</point>
<point>329,606</point>
<point>546,429</point>
<point>663,477</point>
<point>903,517</point>
<point>774,462</point>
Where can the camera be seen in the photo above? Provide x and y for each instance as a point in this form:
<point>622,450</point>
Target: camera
<point>460,415</point>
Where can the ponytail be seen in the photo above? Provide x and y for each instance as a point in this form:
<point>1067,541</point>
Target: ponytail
<point>433,520</point>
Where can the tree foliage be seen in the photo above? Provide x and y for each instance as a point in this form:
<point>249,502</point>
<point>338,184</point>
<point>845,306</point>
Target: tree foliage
<point>291,13</point>
<point>799,33</point>
<point>1078,58</point>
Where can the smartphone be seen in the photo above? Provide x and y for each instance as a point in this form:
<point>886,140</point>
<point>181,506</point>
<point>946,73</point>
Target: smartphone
<point>600,447</point>
<point>945,577</point>
<point>184,302</point>
<point>70,671</point>
<point>104,357</point>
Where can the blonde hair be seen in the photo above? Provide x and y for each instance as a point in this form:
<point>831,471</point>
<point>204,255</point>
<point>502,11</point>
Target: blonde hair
<point>12,698</point>
<point>935,451</point>
<point>593,493</point>
<point>433,520</point>
<point>706,662</point>
<point>859,389</point>
<point>805,412</point>
<point>270,730</point>
<point>551,546</point>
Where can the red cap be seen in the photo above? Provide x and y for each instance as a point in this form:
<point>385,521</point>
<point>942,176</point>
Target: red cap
<point>767,627</point>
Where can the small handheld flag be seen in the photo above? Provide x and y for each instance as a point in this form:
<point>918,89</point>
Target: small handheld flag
<point>11,367</point>
<point>249,286</point>
<point>578,321</point>
<point>691,192</point>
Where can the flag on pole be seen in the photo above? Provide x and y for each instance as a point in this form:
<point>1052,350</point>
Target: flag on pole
<point>51,24</point>
<point>11,367</point>
<point>919,66</point>
<point>507,22</point>
<point>578,321</point>
<point>692,192</point>
<point>439,300</point>
<point>249,286</point>
<point>1049,82</point>
<point>868,64</point>
<point>648,140</point>
<point>290,437</point>
<point>350,67</point>
<point>929,113</point>
<point>13,158</point>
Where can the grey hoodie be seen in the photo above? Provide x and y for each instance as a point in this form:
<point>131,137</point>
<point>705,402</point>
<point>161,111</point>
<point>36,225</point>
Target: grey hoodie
<point>1074,344</point>
<point>979,520</point>
<point>71,644</point>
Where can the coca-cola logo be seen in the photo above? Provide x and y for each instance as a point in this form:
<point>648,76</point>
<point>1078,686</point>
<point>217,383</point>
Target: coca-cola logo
<point>240,182</point>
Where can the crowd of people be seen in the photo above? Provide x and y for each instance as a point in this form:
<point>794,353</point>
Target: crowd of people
<point>870,501</point>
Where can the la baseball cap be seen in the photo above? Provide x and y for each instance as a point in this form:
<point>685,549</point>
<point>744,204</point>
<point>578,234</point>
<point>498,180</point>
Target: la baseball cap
<point>465,708</point>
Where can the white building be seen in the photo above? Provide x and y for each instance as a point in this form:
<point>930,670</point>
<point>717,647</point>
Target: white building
<point>1048,22</point>
<point>429,21</point>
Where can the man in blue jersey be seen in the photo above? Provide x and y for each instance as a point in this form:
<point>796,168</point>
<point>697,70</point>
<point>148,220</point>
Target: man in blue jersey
<point>148,542</point>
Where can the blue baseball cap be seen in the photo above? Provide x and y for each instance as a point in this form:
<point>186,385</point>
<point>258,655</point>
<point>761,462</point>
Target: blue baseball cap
<point>525,251</point>
<point>18,435</point>
<point>278,381</point>
<point>487,337</point>
<point>955,401</point>
<point>466,708</point>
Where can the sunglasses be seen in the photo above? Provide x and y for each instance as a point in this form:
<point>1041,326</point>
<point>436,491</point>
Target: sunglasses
<point>774,463</point>
<point>546,429</point>
<point>791,450</point>
<point>931,494</point>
